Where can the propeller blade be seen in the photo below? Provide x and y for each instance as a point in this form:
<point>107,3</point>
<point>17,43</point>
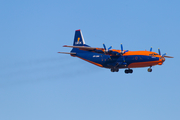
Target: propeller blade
<point>151,49</point>
<point>122,51</point>
<point>163,54</point>
<point>121,47</point>
<point>109,48</point>
<point>126,51</point>
<point>104,46</point>
<point>168,56</point>
<point>159,51</point>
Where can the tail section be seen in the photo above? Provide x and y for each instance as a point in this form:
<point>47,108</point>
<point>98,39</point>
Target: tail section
<point>78,39</point>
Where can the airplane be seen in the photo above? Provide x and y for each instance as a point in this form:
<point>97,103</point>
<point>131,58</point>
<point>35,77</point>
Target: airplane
<point>114,59</point>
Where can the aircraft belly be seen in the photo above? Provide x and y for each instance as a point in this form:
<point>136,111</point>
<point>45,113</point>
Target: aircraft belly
<point>143,64</point>
<point>94,58</point>
<point>143,61</point>
<point>132,62</point>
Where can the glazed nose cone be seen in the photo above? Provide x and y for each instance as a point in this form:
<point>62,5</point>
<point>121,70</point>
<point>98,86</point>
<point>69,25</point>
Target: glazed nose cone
<point>163,59</point>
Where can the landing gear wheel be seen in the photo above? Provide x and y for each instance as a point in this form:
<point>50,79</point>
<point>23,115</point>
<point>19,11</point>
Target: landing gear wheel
<point>112,70</point>
<point>149,70</point>
<point>128,71</point>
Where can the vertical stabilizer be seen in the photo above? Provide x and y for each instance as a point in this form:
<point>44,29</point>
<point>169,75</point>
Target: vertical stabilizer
<point>78,38</point>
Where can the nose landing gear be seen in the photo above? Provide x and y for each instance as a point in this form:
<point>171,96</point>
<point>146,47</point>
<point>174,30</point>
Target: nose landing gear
<point>149,69</point>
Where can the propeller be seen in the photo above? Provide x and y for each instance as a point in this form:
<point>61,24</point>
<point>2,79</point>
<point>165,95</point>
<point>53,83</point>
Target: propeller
<point>164,55</point>
<point>122,51</point>
<point>168,56</point>
<point>106,50</point>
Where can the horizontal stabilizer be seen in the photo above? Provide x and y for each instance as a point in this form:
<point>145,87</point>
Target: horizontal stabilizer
<point>67,53</point>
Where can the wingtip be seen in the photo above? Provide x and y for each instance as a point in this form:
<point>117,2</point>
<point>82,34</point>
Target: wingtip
<point>64,45</point>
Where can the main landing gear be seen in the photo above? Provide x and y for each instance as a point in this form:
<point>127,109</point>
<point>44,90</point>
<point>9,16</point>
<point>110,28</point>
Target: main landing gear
<point>128,71</point>
<point>149,69</point>
<point>114,70</point>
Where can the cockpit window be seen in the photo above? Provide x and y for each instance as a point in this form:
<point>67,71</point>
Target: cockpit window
<point>153,54</point>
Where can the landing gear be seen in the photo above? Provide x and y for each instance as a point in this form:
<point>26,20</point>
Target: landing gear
<point>149,69</point>
<point>114,70</point>
<point>128,71</point>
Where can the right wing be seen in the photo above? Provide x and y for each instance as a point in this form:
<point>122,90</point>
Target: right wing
<point>84,47</point>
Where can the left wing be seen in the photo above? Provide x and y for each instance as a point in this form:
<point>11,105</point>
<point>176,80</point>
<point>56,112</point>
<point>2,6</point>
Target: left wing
<point>83,47</point>
<point>96,50</point>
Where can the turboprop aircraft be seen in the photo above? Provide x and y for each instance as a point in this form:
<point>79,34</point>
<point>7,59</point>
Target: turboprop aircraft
<point>114,59</point>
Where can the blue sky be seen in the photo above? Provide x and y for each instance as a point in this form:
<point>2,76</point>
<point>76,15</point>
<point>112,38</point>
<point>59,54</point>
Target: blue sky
<point>38,83</point>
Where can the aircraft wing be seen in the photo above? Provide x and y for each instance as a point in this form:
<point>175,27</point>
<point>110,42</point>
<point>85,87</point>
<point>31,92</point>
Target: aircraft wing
<point>84,47</point>
<point>96,50</point>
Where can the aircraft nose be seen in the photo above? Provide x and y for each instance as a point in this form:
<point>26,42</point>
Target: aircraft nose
<point>163,59</point>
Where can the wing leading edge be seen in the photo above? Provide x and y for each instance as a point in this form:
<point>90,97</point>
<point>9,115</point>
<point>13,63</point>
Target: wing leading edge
<point>82,47</point>
<point>96,50</point>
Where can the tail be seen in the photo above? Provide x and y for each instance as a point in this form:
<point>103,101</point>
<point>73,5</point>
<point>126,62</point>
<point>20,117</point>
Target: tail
<point>78,39</point>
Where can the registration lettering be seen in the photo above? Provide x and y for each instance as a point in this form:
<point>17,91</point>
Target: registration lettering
<point>95,55</point>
